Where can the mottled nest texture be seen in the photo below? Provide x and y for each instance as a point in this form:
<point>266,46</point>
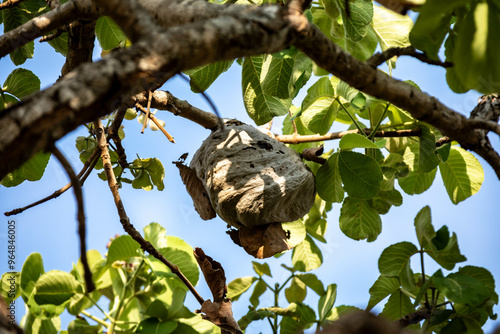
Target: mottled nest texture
<point>252,179</point>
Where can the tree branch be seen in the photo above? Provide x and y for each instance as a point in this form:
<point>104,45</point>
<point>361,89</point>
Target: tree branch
<point>77,188</point>
<point>125,221</point>
<point>379,58</point>
<point>10,4</point>
<point>81,39</point>
<point>297,139</point>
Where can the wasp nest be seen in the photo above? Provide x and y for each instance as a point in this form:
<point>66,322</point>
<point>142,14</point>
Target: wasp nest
<point>249,179</point>
<point>252,179</point>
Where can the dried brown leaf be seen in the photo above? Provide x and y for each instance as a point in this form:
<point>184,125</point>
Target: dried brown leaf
<point>221,315</point>
<point>196,190</point>
<point>264,241</point>
<point>213,273</point>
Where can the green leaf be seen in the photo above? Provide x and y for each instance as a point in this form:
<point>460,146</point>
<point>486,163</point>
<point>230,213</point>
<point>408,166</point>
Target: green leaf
<point>21,82</point>
<point>319,107</point>
<point>148,172</point>
<point>122,248</point>
<point>443,152</point>
<point>81,326</point>
<point>277,80</point>
<point>359,220</point>
<point>351,95</point>
<point>475,55</point>
<point>355,140</point>
<point>108,33</point>
<point>460,288</point>
<point>417,183</point>
<point>423,227</point>
<point>306,256</point>
<point>312,282</point>
<point>10,286</point>
<point>433,24</point>
<point>236,287</point>
<point>39,325</point>
<point>420,154</point>
<point>260,106</point>
<point>329,182</point>
<point>184,260</point>
<point>331,8</point>
<point>155,326</point>
<point>317,229</point>
<point>326,301</point>
<point>450,255</point>
<point>398,306</point>
<point>297,231</point>
<point>7,100</point>
<point>258,290</point>
<point>31,170</point>
<point>360,174</point>
<point>55,287</point>
<point>383,287</point>
<point>60,44</point>
<point>462,175</point>
<point>31,272</point>
<point>205,75</point>
<point>261,269</point>
<point>13,18</point>
<point>296,292</point>
<point>392,29</point>
<point>361,13</point>
<point>156,235</point>
<point>395,262</point>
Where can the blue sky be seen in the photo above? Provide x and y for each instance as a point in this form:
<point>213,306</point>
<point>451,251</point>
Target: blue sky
<point>50,228</point>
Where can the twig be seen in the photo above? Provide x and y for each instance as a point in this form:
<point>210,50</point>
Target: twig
<point>295,132</point>
<point>379,58</point>
<point>113,134</point>
<point>53,4</point>
<point>87,168</point>
<point>147,111</point>
<point>350,116</point>
<point>77,188</point>
<point>10,4</point>
<point>293,139</point>
<point>477,123</point>
<point>125,221</point>
<point>157,123</point>
<point>164,100</point>
<point>413,318</point>
<point>443,140</point>
<point>50,37</point>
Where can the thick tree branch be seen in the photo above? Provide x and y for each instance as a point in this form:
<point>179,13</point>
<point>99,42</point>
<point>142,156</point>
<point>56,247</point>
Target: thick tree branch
<point>379,58</point>
<point>81,39</point>
<point>77,188</point>
<point>125,221</point>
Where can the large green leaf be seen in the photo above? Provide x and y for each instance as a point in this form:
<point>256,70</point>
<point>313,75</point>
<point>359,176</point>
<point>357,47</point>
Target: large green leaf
<point>202,77</point>
<point>13,18</point>
<point>355,140</point>
<point>238,286</point>
<point>260,107</point>
<point>433,24</point>
<point>306,256</point>
<point>261,269</point>
<point>462,175</point>
<point>155,326</point>
<point>276,77</point>
<point>395,262</point>
<point>326,301</point>
<point>184,260</point>
<point>81,326</point>
<point>148,173</point>
<point>296,292</point>
<point>297,230</point>
<point>329,182</point>
<point>312,282</point>
<point>446,252</point>
<point>60,44</point>
<point>361,13</point>
<point>360,174</point>
<point>108,33</point>
<point>417,183</point>
<point>258,290</point>
<point>31,272</point>
<point>383,287</point>
<point>461,288</point>
<point>31,170</point>
<point>21,82</point>
<point>156,235</point>
<point>122,248</point>
<point>420,154</point>
<point>359,220</point>
<point>55,287</point>
<point>423,227</point>
<point>398,306</point>
<point>319,107</point>
<point>475,55</point>
<point>392,29</point>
